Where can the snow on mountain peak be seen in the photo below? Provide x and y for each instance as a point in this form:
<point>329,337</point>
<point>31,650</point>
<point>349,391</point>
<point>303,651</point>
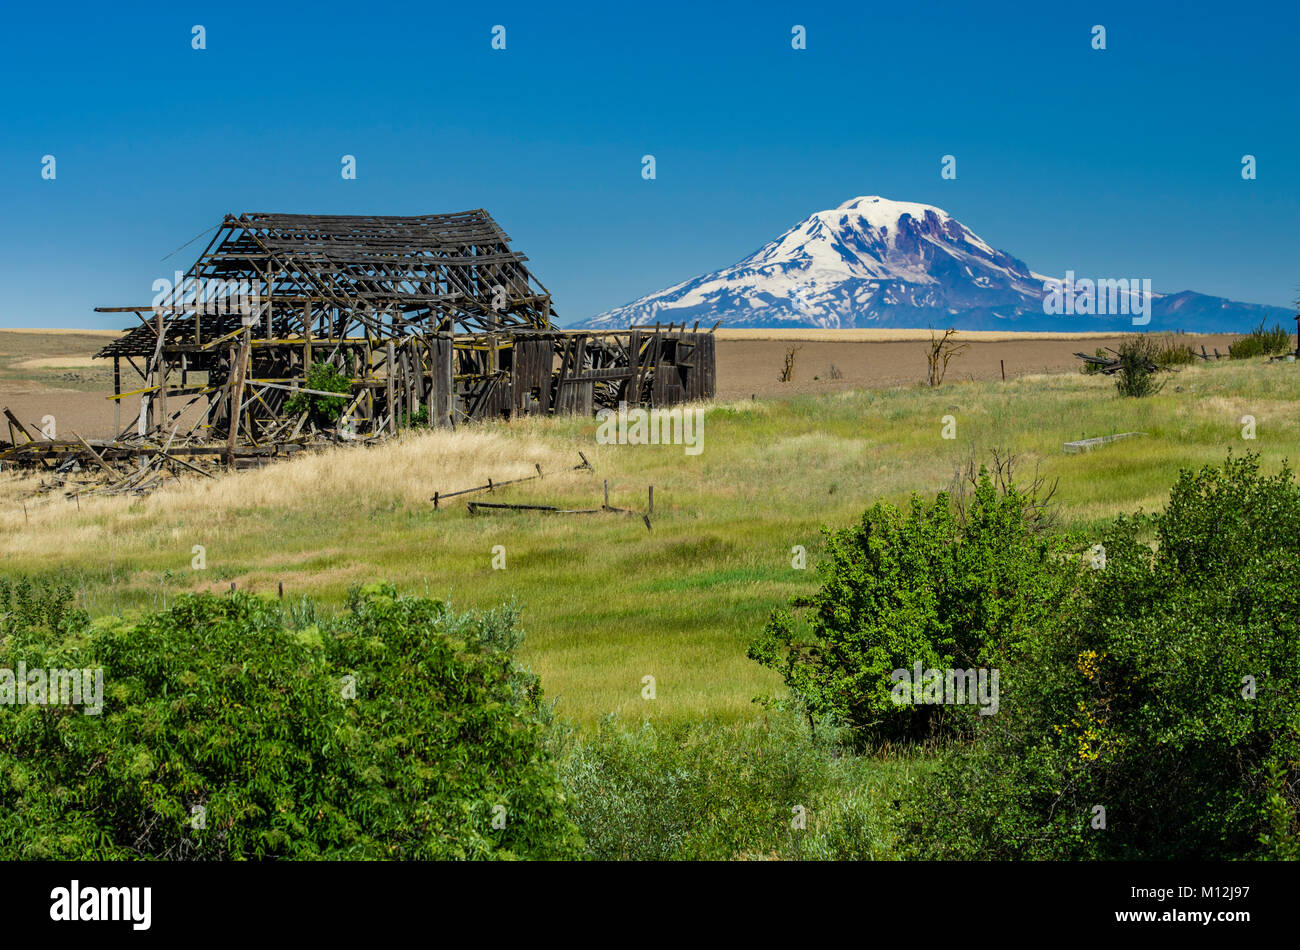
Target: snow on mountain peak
<point>882,212</point>
<point>872,237</point>
<point>870,261</point>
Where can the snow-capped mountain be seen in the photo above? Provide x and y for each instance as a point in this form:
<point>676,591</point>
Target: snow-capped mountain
<point>873,262</point>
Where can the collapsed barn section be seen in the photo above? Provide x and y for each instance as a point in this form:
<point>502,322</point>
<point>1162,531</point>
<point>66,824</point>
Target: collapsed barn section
<point>291,330</point>
<point>294,329</point>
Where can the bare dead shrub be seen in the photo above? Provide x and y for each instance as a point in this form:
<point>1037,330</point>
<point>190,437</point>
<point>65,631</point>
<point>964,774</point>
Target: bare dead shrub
<point>787,371</point>
<point>1035,493</point>
<point>942,349</point>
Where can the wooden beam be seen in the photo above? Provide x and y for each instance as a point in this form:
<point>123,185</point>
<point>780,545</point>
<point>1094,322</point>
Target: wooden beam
<point>95,455</point>
<point>237,394</point>
<point>21,428</point>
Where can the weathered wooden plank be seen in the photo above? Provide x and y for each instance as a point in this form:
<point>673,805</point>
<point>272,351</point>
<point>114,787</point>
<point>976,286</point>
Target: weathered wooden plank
<point>1086,445</point>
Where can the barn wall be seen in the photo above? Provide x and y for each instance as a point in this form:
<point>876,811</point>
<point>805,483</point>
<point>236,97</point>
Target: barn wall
<point>531,371</point>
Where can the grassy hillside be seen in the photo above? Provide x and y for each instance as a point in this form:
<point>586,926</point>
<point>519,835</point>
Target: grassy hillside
<point>605,601</point>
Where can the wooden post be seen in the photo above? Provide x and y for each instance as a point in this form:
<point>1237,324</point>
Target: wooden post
<point>270,292</point>
<point>633,390</point>
<point>142,424</point>
<point>409,398</point>
<point>237,395</point>
<point>198,308</point>
<point>1004,370</point>
<point>370,371</point>
<point>161,375</point>
<point>651,508</point>
<point>117,395</point>
<point>607,493</point>
<point>442,392</point>
<point>391,369</point>
<point>306,346</point>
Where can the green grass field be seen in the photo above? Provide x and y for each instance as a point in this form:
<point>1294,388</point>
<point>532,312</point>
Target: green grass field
<point>605,601</point>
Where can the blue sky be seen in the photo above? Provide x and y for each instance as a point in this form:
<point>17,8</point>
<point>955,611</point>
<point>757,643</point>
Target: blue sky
<point>1122,162</point>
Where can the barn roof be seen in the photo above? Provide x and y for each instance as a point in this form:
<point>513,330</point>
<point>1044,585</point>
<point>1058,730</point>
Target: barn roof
<point>445,272</point>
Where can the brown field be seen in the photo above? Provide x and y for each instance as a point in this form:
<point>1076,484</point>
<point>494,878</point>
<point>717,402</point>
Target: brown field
<point>104,335</point>
<point>49,372</point>
<point>750,361</point>
<point>886,335</point>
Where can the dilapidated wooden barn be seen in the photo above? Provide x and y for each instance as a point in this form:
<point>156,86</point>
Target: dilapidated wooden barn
<point>430,319</point>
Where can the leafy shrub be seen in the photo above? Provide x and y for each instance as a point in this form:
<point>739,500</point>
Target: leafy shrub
<point>1137,698</point>
<point>922,586</point>
<point>47,609</point>
<point>720,792</point>
<point>1138,363</point>
<point>1261,342</point>
<point>218,708</point>
<point>322,410</point>
<point>418,418</point>
<point>1170,352</point>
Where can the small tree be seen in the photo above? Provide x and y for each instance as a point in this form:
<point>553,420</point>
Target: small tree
<point>321,410</point>
<point>925,585</point>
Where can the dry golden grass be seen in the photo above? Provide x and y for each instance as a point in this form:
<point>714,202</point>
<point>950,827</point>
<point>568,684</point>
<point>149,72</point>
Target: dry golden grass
<point>404,472</point>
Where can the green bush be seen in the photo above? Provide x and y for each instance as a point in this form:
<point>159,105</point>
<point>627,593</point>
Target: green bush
<point>230,731</point>
<point>1261,342</point>
<point>720,792</point>
<point>925,586</point>
<point>419,418</point>
<point>1137,699</point>
<point>322,410</point>
<point>1170,352</point>
<point>1139,356</point>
